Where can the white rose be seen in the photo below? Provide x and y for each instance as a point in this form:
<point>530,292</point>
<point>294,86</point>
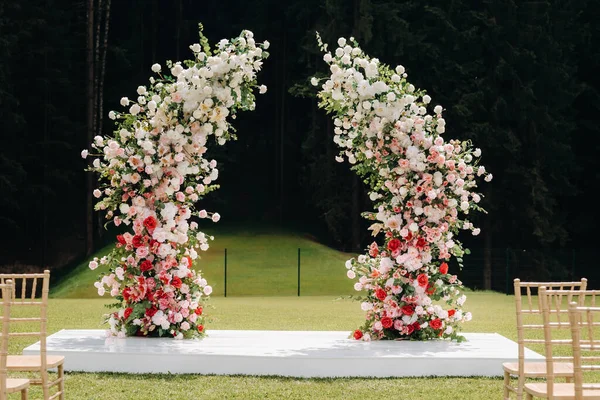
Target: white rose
<point>437,109</point>
<point>327,57</point>
<point>426,99</point>
<point>477,152</point>
<point>124,101</point>
<point>476,231</point>
<point>262,89</point>
<point>195,48</point>
<point>351,274</point>
<point>134,109</point>
<point>266,44</point>
<point>341,42</point>
<point>156,68</point>
<point>112,115</point>
<point>84,153</point>
<point>216,217</point>
<point>97,193</point>
<point>314,81</point>
<point>400,70</point>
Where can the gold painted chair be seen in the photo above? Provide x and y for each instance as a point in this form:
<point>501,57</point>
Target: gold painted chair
<point>8,385</point>
<point>555,310</point>
<point>529,332</point>
<point>28,298</point>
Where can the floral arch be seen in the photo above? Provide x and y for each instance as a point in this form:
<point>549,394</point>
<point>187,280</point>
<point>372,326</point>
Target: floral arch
<point>152,172</point>
<point>423,188</point>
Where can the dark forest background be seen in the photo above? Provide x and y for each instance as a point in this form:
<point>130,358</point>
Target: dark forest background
<point>519,78</point>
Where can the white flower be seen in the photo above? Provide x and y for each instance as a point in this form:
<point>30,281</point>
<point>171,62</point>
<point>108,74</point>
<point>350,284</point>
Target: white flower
<point>156,68</point>
<point>141,90</point>
<point>84,154</point>
<point>216,217</point>
<point>488,178</point>
<point>207,290</point>
<point>266,44</point>
<point>351,274</point>
<point>112,115</point>
<point>341,42</point>
<point>134,109</point>
<point>426,99</point>
<point>93,265</point>
<point>196,48</point>
<point>97,193</point>
<point>437,110</point>
<point>124,101</point>
<point>477,152</point>
<point>327,57</point>
<point>476,231</point>
<point>262,89</point>
<point>399,69</point>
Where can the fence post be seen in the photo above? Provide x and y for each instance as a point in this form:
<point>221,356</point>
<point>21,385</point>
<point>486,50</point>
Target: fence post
<point>507,271</point>
<point>298,272</point>
<point>225,289</point>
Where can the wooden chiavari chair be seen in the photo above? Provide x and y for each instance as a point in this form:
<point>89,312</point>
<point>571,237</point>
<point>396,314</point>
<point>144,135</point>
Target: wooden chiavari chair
<point>28,298</point>
<point>558,346</point>
<point>528,307</point>
<point>8,385</point>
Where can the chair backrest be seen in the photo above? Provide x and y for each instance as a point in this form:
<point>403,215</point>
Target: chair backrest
<point>31,291</point>
<point>585,335</point>
<point>6,293</point>
<point>527,303</point>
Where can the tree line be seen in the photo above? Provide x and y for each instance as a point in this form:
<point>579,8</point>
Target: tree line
<point>517,77</point>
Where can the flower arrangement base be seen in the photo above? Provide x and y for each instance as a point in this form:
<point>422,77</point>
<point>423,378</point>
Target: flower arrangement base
<point>306,354</point>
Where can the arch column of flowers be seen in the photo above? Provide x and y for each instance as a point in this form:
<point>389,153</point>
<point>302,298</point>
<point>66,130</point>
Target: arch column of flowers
<point>153,171</point>
<point>423,187</point>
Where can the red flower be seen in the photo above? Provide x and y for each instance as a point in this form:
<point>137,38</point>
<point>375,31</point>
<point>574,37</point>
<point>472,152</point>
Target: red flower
<point>126,294</point>
<point>189,259</point>
<point>200,328</point>
<point>423,280</point>
<point>380,294</point>
<point>436,323</point>
<point>451,313</point>
<point>137,241</point>
<point>410,329</point>
<point>198,311</point>
<point>176,282</point>
<point>387,322</point>
<point>444,268</point>
<point>151,311</point>
<point>393,244</point>
<point>416,326</point>
<point>357,334</point>
<point>407,310</point>
<point>146,265</point>
<point>430,289</point>
<point>121,239</point>
<point>127,312</point>
<point>150,223</point>
<point>421,243</point>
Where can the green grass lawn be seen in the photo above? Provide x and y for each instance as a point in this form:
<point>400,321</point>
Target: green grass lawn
<point>258,264</point>
<point>492,312</point>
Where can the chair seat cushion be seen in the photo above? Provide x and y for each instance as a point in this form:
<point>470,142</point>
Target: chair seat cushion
<point>538,369</point>
<point>16,385</point>
<point>32,363</point>
<point>561,391</point>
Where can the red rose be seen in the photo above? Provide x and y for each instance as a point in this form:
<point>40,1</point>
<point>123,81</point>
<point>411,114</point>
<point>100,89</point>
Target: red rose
<point>200,328</point>
<point>146,265</point>
<point>451,313</point>
<point>436,323</point>
<point>421,242</point>
<point>393,244</point>
<point>387,322</point>
<point>150,223</point>
<point>416,326</point>
<point>127,312</point>
<point>189,259</point>
<point>357,334</point>
<point>380,294</point>
<point>430,289</point>
<point>198,311</point>
<point>121,239</point>
<point>410,329</point>
<point>151,311</point>
<point>137,241</point>
<point>407,310</point>
<point>126,293</point>
<point>444,268</point>
<point>176,282</point>
<point>423,280</point>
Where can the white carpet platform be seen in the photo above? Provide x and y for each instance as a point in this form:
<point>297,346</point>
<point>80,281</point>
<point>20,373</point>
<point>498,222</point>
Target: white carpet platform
<point>283,353</point>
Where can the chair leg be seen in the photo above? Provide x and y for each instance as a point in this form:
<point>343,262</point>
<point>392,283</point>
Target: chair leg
<point>46,389</point>
<point>61,384</point>
<point>506,384</point>
<point>529,396</point>
<point>520,386</point>
<point>24,394</point>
